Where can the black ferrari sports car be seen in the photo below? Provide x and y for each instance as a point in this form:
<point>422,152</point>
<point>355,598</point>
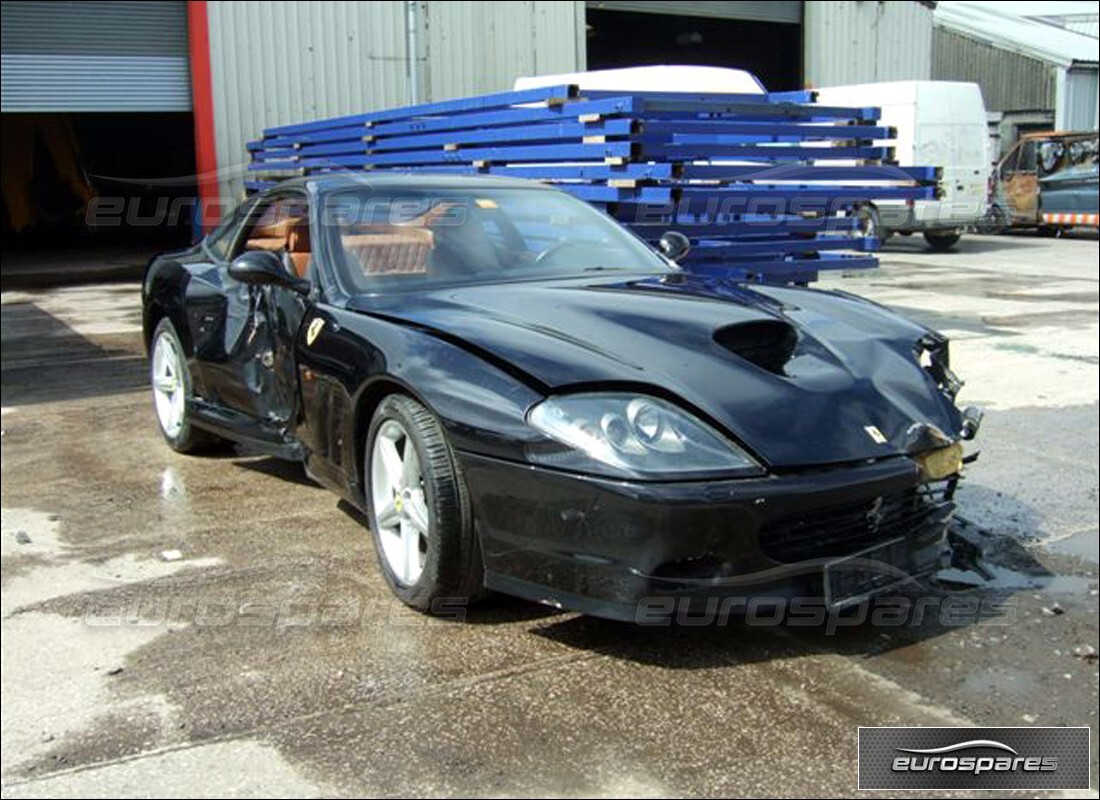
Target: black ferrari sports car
<point>523,396</point>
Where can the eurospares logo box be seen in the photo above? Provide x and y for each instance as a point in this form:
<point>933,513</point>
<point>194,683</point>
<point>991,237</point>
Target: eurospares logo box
<point>974,758</point>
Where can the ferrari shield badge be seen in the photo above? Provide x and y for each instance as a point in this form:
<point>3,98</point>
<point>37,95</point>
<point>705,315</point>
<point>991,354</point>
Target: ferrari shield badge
<point>876,435</point>
<point>314,330</point>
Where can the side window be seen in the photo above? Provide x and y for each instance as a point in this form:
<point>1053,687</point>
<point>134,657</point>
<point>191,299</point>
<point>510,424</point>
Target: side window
<point>261,222</point>
<point>1027,157</point>
<point>1009,165</point>
<point>281,226</point>
<point>220,240</point>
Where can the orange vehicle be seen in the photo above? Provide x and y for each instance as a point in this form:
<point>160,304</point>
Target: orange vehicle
<point>1048,180</point>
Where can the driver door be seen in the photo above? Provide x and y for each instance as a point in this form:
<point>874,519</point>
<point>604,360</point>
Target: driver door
<point>262,322</point>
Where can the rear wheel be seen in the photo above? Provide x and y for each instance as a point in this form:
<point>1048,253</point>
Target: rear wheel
<point>171,382</point>
<point>418,508</point>
<point>869,223</point>
<point>941,242</point>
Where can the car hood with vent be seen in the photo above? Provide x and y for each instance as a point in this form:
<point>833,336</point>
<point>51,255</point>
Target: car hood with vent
<point>801,377</point>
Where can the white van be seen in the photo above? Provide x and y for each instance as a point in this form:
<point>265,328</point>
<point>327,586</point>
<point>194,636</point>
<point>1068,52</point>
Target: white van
<point>939,124</point>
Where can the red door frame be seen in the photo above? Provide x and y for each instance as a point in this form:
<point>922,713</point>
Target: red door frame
<point>202,99</point>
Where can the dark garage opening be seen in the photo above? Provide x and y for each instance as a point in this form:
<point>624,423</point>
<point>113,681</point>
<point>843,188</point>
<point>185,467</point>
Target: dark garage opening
<point>770,50</point>
<point>95,191</point>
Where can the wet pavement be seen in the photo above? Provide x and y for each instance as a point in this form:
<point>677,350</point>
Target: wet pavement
<point>266,657</point>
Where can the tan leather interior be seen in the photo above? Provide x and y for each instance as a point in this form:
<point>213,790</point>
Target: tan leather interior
<point>272,243</point>
<point>390,249</point>
<point>289,235</point>
<point>298,246</point>
<point>396,249</point>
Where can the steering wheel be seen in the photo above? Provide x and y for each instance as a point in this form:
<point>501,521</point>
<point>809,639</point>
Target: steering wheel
<point>548,254</point>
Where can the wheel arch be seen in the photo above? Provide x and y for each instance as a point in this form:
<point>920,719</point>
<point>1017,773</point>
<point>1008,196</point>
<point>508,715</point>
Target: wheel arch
<point>164,297</point>
<point>369,397</point>
<point>154,313</point>
<point>369,358</point>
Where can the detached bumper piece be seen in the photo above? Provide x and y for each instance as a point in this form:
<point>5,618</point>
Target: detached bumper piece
<point>609,547</point>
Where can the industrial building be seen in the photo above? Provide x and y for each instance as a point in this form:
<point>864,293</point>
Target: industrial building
<point>1036,73</point>
<point>136,99</point>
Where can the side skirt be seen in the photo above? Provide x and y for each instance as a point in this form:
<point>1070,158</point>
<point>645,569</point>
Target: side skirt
<point>265,437</point>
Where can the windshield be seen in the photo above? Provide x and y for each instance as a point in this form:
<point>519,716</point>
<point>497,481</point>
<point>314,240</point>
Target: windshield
<point>420,239</point>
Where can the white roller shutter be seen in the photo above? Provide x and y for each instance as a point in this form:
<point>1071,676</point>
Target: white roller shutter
<point>95,56</point>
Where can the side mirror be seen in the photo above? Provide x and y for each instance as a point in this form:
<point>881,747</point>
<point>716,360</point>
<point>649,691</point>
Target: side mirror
<point>674,245</point>
<point>263,267</point>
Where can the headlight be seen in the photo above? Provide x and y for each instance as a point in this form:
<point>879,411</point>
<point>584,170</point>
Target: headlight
<point>627,435</point>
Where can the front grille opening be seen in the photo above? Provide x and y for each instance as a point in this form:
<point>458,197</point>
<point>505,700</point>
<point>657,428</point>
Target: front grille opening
<point>844,530</point>
<point>701,567</point>
<point>769,344</point>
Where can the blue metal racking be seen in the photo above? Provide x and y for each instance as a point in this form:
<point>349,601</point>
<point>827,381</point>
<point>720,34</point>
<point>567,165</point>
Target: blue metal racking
<point>768,186</point>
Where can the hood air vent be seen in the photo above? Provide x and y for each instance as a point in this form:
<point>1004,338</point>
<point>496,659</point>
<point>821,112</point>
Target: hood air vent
<point>769,344</point>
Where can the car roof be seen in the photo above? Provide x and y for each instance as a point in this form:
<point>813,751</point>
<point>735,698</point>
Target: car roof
<point>406,180</point>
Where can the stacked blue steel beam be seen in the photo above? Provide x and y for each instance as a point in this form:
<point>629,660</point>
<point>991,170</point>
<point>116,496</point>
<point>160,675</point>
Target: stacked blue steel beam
<point>766,186</point>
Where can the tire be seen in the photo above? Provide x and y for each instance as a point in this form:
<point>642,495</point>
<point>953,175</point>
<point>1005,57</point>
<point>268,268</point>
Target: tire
<point>869,223</point>
<point>941,242</point>
<point>425,539</point>
<point>995,222</point>
<point>170,381</point>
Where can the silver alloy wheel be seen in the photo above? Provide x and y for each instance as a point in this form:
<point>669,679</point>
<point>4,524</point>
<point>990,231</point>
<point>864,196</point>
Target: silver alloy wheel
<point>168,385</point>
<point>400,506</point>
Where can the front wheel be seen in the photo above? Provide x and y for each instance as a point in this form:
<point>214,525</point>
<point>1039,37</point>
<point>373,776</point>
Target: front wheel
<point>941,242</point>
<point>419,509</point>
<point>996,221</point>
<point>171,382</point>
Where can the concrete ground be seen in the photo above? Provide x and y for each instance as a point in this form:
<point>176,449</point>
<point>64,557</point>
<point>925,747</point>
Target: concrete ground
<point>265,657</point>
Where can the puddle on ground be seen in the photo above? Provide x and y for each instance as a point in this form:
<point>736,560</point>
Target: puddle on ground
<point>1085,544</point>
<point>998,681</point>
<point>1005,578</point>
<point>65,667</point>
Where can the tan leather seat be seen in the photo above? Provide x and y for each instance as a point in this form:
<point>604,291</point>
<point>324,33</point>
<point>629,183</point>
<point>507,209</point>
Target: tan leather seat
<point>390,249</point>
<point>290,236</point>
<point>397,249</point>
<point>272,243</point>
<point>298,247</point>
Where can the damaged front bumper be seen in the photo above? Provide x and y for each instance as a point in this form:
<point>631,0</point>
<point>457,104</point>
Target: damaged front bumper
<point>610,547</point>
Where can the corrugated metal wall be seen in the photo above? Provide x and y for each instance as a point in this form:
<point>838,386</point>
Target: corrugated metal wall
<point>865,42</point>
<point>94,56</point>
<point>1010,81</point>
<point>1079,105</point>
<point>1088,24</point>
<point>280,62</point>
<point>474,47</point>
<point>789,11</point>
